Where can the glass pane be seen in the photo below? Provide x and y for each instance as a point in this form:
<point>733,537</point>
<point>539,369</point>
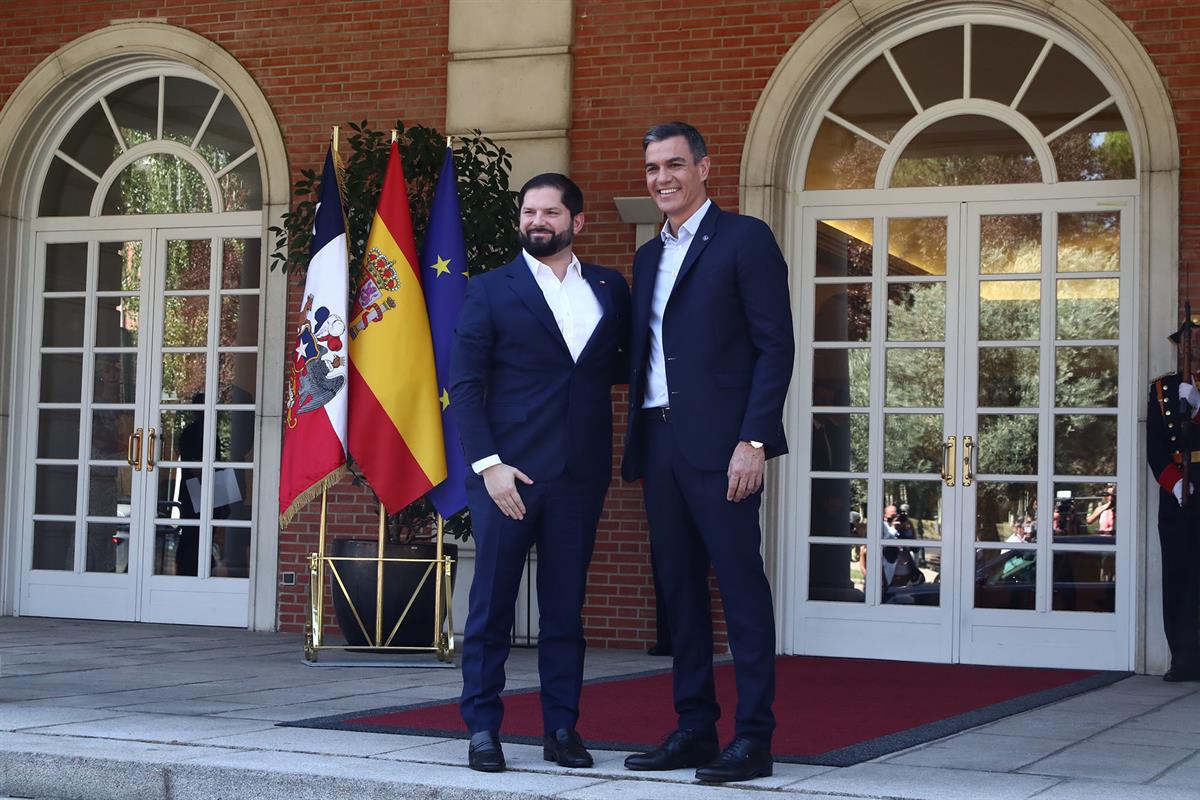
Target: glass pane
<point>842,377</point>
<point>1062,90</point>
<point>1085,582</point>
<point>185,322</point>
<point>226,137</point>
<point>120,267</point>
<point>62,323</point>
<point>912,510</point>
<point>241,263</point>
<point>915,377</point>
<point>241,187</point>
<point>1085,513</point>
<point>835,574</point>
<point>1089,242</point>
<point>183,378</point>
<point>115,378</point>
<point>1089,308</point>
<point>107,547</point>
<point>237,377</point>
<point>232,492</point>
<point>840,159</point>
<point>185,105</point>
<point>1010,243</point>
<point>54,545</point>
<point>1005,579</point>
<point>1000,60</point>
<point>916,246</point>
<point>176,550</point>
<point>912,442</point>
<point>844,248</point>
<point>62,378</point>
<point>230,552</point>
<point>1010,310</point>
<point>182,434</point>
<point>966,150</point>
<point>235,435</point>
<point>66,267</point>
<point>1006,512</point>
<point>916,312</point>
<point>189,264</point>
<point>1095,150</point>
<point>117,321</point>
<point>1008,377</point>
<point>839,507</point>
<point>875,101</point>
<point>175,495</point>
<point>1007,444</point>
<point>56,489</point>
<point>932,64</point>
<point>239,320</point>
<point>58,434</point>
<point>1085,377</point>
<point>67,192</point>
<point>108,491</point>
<point>839,442</point>
<point>906,580</point>
<point>1085,444</point>
<point>91,141</point>
<point>843,312</point>
<point>111,430</point>
<point>158,183</point>
<point>135,108</point>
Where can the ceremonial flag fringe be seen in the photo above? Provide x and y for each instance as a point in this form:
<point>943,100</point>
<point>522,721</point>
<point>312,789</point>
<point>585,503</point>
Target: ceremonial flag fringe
<point>445,279</point>
<point>314,441</point>
<point>395,416</point>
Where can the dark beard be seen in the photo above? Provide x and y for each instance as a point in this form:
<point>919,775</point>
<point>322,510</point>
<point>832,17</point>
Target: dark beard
<point>546,247</point>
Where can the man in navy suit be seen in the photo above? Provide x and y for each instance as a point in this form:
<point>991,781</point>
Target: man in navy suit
<point>711,358</point>
<point>538,346</point>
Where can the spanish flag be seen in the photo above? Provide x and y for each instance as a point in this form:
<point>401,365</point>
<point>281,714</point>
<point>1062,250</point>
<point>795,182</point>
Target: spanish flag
<point>395,413</point>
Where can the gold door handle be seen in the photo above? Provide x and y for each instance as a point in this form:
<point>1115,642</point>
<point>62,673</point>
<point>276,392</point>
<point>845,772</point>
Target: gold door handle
<point>150,451</point>
<point>136,446</point>
<point>968,446</point>
<point>948,461</point>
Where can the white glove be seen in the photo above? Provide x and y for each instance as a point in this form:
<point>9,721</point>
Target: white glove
<point>1191,395</point>
<point>1177,490</point>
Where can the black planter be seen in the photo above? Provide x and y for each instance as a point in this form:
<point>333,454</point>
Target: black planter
<point>399,581</point>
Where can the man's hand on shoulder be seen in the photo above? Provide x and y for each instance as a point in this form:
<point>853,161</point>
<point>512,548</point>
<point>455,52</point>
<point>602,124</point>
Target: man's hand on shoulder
<point>745,471</point>
<point>501,482</point>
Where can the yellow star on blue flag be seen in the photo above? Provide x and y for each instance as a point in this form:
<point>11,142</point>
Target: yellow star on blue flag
<point>441,266</point>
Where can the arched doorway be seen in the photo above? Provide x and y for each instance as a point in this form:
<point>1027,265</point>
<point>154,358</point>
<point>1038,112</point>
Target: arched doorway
<point>964,230</point>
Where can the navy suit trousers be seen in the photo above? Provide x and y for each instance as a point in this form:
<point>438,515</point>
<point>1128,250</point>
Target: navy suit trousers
<point>692,525</point>
<point>560,519</point>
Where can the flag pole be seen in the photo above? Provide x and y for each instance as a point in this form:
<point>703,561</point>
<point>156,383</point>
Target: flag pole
<point>437,591</point>
<point>319,611</point>
<point>379,577</point>
<point>335,138</point>
<point>395,135</point>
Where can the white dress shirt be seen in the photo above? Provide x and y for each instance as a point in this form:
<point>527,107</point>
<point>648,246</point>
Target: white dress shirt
<point>675,249</point>
<point>576,310</point>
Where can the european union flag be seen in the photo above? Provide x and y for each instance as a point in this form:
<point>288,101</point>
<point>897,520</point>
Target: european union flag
<point>444,275</point>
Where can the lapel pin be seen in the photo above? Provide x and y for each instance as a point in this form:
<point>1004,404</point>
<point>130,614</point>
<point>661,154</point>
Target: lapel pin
<point>704,238</point>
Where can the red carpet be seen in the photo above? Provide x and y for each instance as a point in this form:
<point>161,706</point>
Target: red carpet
<point>834,711</point>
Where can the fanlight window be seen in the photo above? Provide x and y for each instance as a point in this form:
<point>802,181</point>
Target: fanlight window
<point>968,105</point>
<point>159,145</point>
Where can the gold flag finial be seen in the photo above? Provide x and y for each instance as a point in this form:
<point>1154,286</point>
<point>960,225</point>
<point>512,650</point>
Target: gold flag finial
<point>335,138</point>
<point>395,135</point>
<point>448,138</point>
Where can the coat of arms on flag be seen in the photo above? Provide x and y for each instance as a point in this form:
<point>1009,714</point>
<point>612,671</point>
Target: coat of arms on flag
<point>319,368</point>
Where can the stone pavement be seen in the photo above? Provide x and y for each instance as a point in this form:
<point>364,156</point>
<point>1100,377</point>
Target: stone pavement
<point>110,711</point>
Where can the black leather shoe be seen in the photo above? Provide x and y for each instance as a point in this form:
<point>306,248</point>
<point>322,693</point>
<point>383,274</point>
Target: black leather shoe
<point>743,760</point>
<point>566,748</point>
<point>484,754</point>
<point>683,749</point>
<point>1181,675</point>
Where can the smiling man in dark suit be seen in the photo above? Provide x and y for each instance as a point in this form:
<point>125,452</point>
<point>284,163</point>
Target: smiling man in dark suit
<point>712,354</point>
<point>538,346</point>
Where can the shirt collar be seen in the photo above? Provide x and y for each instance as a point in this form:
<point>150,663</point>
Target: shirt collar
<point>688,229</point>
<point>535,266</point>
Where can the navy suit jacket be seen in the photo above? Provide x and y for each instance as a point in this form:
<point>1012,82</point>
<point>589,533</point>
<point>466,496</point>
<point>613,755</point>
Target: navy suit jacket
<point>515,390</point>
<point>727,340</point>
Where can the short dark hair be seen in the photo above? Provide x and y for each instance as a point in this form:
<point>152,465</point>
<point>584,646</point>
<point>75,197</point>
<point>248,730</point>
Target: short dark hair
<point>669,130</point>
<point>572,197</point>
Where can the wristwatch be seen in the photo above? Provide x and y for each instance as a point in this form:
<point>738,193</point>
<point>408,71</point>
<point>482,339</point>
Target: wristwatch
<point>756,445</point>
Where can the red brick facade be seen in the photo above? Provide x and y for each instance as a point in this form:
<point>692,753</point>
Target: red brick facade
<point>635,62</point>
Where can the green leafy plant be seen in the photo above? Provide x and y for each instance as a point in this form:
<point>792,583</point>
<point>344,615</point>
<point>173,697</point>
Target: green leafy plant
<point>489,221</point>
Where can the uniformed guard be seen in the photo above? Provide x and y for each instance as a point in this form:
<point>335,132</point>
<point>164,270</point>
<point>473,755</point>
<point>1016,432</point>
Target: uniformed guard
<point>1173,452</point>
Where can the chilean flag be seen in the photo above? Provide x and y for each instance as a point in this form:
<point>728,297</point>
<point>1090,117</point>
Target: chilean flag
<point>314,439</point>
